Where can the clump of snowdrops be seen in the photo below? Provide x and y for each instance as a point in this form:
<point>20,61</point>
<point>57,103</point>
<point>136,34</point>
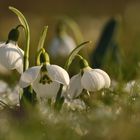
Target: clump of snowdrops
<point>88,108</point>
<point>46,81</point>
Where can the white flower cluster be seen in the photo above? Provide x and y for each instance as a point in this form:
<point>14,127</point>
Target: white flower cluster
<point>91,79</point>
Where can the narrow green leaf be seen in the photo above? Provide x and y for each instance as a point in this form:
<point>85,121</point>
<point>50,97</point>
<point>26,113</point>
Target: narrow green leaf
<point>74,53</point>
<point>42,38</point>
<point>74,28</point>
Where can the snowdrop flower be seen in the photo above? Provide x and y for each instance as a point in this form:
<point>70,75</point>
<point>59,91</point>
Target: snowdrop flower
<point>11,56</point>
<point>62,44</point>
<point>45,79</point>
<point>90,79</point>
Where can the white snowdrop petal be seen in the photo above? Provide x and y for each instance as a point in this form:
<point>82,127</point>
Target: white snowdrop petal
<point>45,90</point>
<point>29,76</point>
<point>75,88</point>
<point>92,80</point>
<point>58,74</point>
<point>106,77</point>
<point>17,60</point>
<point>4,54</point>
<point>20,69</point>
<point>11,56</point>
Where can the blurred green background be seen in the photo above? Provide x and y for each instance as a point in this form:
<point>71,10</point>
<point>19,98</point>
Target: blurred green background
<point>90,15</point>
<point>114,114</point>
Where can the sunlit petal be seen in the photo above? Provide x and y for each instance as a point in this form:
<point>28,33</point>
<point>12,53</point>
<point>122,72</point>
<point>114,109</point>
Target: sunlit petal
<point>58,74</point>
<point>106,77</point>
<point>20,69</point>
<point>29,76</point>
<point>45,90</point>
<point>11,56</point>
<point>75,87</point>
<point>92,80</point>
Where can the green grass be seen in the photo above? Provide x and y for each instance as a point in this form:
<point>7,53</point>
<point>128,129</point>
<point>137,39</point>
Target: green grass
<point>109,114</point>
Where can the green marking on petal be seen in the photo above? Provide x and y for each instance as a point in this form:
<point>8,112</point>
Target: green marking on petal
<point>44,78</point>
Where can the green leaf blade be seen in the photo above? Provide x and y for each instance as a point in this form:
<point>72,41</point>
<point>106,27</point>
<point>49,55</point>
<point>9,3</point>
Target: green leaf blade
<point>42,38</point>
<point>74,53</point>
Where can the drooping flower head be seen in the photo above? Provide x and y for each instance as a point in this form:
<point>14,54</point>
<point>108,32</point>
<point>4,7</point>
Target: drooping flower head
<point>45,78</point>
<point>11,56</point>
<point>62,44</point>
<point>89,79</point>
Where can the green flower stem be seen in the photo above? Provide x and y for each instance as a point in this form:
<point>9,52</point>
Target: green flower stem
<point>26,51</point>
<point>83,62</point>
<point>20,25</point>
<point>42,57</point>
<point>79,56</point>
<point>38,57</point>
<point>24,23</point>
<point>59,100</point>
